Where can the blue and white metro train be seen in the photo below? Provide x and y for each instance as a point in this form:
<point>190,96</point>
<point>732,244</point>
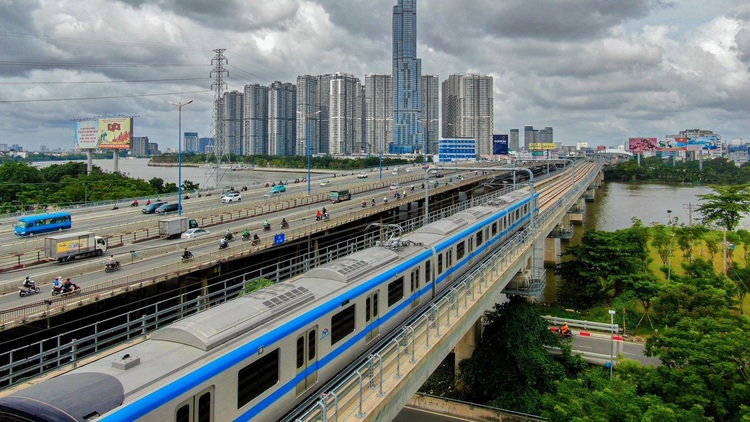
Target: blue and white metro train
<point>258,356</point>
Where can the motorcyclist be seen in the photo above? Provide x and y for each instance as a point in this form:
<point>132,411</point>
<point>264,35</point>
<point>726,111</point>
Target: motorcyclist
<point>565,331</point>
<point>228,235</point>
<point>284,224</point>
<point>364,203</point>
<point>57,282</point>
<point>135,203</point>
<point>325,211</point>
<point>266,225</point>
<point>256,238</point>
<point>186,254</point>
<point>246,234</point>
<point>148,202</point>
<point>223,243</point>
<point>68,285</point>
<point>318,215</point>
<point>373,202</point>
<point>29,283</point>
<point>111,262</point>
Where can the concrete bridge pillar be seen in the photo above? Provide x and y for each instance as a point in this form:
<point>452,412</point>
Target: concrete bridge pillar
<point>466,346</point>
<point>551,250</point>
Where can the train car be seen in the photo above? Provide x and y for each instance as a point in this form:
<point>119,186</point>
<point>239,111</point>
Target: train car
<point>256,357</point>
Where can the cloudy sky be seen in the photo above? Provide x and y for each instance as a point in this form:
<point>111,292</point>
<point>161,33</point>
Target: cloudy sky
<point>595,70</point>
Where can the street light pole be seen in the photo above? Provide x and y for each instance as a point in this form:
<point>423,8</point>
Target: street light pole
<point>179,154</point>
<point>612,340</point>
<point>308,116</point>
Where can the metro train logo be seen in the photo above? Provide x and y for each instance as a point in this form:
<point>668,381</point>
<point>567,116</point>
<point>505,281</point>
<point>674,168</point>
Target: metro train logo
<point>324,333</point>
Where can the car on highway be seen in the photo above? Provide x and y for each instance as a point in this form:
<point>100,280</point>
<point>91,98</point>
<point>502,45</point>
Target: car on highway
<point>362,176</point>
<point>151,208</point>
<point>395,186</point>
<point>231,197</point>
<point>271,194</point>
<point>278,188</point>
<point>166,208</point>
<point>193,233</point>
<point>325,183</point>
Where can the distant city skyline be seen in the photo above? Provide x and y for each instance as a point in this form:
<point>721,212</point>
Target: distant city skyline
<point>596,73</point>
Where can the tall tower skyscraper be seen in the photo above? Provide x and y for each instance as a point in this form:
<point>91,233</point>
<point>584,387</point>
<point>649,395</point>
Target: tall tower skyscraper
<point>430,113</point>
<point>255,120</point>
<point>232,104</point>
<point>528,137</point>
<point>345,105</point>
<point>468,109</point>
<point>513,141</point>
<point>378,113</point>
<point>282,117</point>
<point>407,80</point>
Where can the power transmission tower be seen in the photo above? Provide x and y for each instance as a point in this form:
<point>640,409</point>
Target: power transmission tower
<point>221,150</point>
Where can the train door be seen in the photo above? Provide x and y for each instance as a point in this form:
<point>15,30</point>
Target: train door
<point>415,285</point>
<point>307,359</point>
<point>372,316</point>
<point>428,276</point>
<point>198,408</point>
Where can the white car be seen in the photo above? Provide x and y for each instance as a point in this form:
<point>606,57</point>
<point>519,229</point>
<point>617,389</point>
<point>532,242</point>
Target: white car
<point>362,176</point>
<point>193,233</point>
<point>325,183</point>
<point>395,186</point>
<point>272,194</point>
<point>231,197</point>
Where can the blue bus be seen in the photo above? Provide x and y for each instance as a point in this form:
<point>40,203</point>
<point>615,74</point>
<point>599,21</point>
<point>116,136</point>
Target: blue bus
<point>42,223</point>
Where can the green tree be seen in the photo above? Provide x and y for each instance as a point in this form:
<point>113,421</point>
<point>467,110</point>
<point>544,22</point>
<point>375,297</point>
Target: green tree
<point>645,286</point>
<point>599,257</point>
<point>687,237</point>
<point>661,240</point>
<point>157,184</point>
<point>511,368</point>
<point>705,362</point>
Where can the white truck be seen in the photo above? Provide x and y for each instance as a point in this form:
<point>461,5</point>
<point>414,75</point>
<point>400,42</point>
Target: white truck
<point>69,246</point>
<point>170,228</point>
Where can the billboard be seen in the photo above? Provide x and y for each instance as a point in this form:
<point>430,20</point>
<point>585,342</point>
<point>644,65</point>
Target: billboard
<point>87,134</point>
<point>541,146</point>
<point>672,143</point>
<point>500,144</point>
<point>704,142</point>
<point>115,133</point>
<point>639,145</point>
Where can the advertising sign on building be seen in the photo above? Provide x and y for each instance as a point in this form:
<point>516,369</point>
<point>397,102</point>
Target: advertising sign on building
<point>115,133</point>
<point>87,134</point>
<point>639,145</point>
<point>542,146</point>
<point>672,143</point>
<point>500,144</point>
<point>705,142</point>
<point>457,149</point>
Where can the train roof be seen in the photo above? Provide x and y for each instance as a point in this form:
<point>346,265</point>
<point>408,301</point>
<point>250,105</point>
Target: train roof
<point>352,267</point>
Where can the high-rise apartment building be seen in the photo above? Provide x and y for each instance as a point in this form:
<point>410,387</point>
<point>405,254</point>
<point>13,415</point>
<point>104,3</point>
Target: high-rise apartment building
<point>308,114</point>
<point>190,142</point>
<point>231,106</point>
<point>407,80</point>
<point>528,137</point>
<point>139,146</point>
<point>430,113</point>
<point>468,110</point>
<point>513,140</point>
<point>255,120</point>
<point>282,118</point>
<point>345,114</point>
<point>546,135</point>
<point>378,113</point>
<point>206,145</point>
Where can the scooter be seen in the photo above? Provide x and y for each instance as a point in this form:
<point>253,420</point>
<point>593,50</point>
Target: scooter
<point>185,259</point>
<point>364,204</point>
<point>62,290</point>
<point>284,225</point>
<point>134,204</point>
<point>229,237</point>
<point>223,245</point>
<point>569,334</point>
<point>267,228</point>
<point>28,291</point>
<point>110,267</point>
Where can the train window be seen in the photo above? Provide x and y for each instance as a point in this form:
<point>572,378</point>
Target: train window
<point>300,351</point>
<point>395,291</point>
<point>427,274</point>
<point>182,414</point>
<point>342,324</point>
<point>367,310</point>
<point>256,378</point>
<point>440,263</point>
<point>375,305</point>
<point>204,407</point>
<point>448,259</point>
<point>415,280</point>
<point>311,349</point>
<point>460,250</point>
<point>494,228</point>
<point>480,238</point>
<point>518,214</point>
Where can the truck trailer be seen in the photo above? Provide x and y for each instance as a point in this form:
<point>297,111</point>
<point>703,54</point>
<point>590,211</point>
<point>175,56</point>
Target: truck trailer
<point>69,246</point>
<point>171,228</point>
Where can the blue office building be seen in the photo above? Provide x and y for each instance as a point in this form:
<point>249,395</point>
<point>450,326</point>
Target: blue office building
<point>457,149</point>
<point>407,80</point>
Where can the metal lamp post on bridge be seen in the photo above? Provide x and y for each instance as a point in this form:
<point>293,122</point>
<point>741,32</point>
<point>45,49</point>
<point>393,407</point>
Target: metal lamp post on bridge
<point>308,116</point>
<point>612,340</point>
<point>179,154</point>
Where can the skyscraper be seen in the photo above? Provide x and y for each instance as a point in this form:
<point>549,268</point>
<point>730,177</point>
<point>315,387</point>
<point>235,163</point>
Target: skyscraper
<point>190,142</point>
<point>345,114</point>
<point>468,110</point>
<point>407,80</point>
<point>430,113</point>
<point>378,113</point>
<point>528,136</point>
<point>231,104</point>
<point>282,116</point>
<point>255,120</point>
<point>513,141</point>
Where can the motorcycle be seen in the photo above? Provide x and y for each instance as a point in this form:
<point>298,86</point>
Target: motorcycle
<point>223,245</point>
<point>364,204</point>
<point>229,237</point>
<point>185,259</point>
<point>284,225</point>
<point>134,204</point>
<point>111,267</point>
<point>568,334</point>
<point>65,291</point>
<point>267,228</point>
<point>248,237</point>
<point>28,291</point>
